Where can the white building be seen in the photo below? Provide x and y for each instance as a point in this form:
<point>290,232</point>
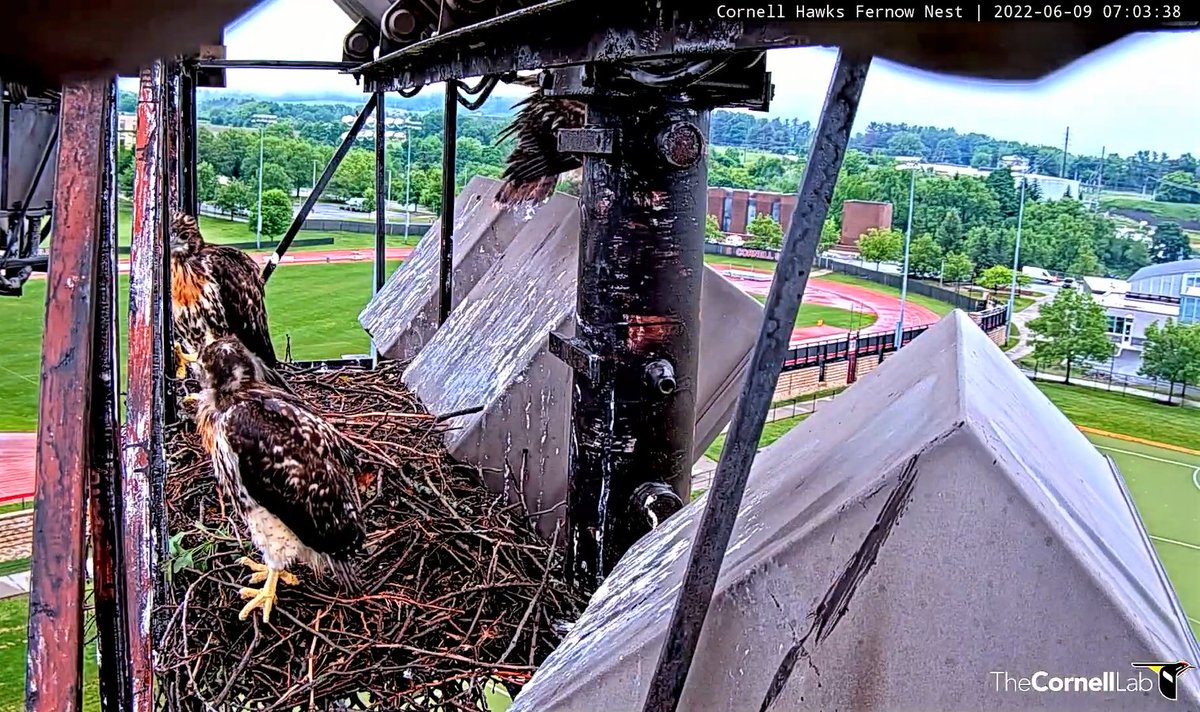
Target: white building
<point>1051,187</point>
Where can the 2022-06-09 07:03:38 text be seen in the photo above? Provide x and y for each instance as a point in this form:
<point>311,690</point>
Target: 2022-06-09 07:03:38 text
<point>980,12</point>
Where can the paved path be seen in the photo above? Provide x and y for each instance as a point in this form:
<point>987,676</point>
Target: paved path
<point>850,297</point>
<point>1021,319</point>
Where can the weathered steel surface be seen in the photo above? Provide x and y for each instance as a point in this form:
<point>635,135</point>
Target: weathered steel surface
<point>446,251</point>
<point>741,444</point>
<point>105,514</point>
<point>188,189</point>
<point>641,262</point>
<point>941,512</point>
<point>56,636</point>
<point>556,33</point>
<point>381,196</point>
<point>493,351</point>
<point>403,317</point>
<point>143,444</point>
<point>59,39</point>
<point>31,132</point>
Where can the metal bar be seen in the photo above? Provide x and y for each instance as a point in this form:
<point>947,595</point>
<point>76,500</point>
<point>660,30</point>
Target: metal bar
<point>108,585</point>
<point>5,116</point>
<point>19,213</point>
<point>171,129</point>
<point>53,680</point>
<point>143,450</point>
<point>449,150</point>
<point>326,176</point>
<point>169,202</point>
<point>628,30</point>
<point>188,188</point>
<point>381,191</point>
<point>273,64</point>
<point>641,259</point>
<point>783,302</point>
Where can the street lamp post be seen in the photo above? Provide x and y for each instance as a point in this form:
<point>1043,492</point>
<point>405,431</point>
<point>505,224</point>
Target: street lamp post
<point>1012,290</point>
<point>409,125</point>
<point>912,191</point>
<point>262,120</point>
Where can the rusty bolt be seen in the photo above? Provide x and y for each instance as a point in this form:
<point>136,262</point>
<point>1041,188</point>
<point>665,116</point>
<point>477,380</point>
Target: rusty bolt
<point>681,144</point>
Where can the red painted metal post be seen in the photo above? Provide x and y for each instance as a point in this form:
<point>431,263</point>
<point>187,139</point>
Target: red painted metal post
<point>143,451</point>
<point>55,655</point>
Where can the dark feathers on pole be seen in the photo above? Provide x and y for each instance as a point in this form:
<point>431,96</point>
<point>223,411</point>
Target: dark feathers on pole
<point>535,164</point>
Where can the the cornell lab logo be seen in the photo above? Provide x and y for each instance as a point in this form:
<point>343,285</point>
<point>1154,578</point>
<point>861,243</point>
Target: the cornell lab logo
<point>1168,676</point>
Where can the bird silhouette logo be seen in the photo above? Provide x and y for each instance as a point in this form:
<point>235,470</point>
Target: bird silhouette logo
<point>1168,676</point>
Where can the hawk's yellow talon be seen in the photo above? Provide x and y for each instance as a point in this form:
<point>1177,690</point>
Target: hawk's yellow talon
<point>183,359</point>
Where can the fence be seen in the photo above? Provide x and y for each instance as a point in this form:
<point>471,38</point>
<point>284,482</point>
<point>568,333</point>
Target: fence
<point>933,291</point>
<point>363,226</point>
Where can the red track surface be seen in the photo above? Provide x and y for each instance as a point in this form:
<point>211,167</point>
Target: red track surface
<point>17,449</point>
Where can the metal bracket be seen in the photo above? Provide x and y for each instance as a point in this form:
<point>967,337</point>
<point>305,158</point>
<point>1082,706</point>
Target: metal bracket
<point>572,352</point>
<point>599,142</point>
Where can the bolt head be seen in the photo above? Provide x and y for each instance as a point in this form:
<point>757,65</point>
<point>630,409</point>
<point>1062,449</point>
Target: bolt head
<point>681,144</point>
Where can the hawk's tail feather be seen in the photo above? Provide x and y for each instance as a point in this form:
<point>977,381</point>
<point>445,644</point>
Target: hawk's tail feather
<point>345,573</point>
<point>515,192</point>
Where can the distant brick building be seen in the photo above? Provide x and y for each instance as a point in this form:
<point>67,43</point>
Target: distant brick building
<point>735,208</point>
<point>858,216</point>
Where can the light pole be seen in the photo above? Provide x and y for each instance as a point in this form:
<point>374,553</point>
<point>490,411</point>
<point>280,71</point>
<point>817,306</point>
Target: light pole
<point>1012,290</point>
<point>912,192</point>
<point>408,125</point>
<point>262,120</point>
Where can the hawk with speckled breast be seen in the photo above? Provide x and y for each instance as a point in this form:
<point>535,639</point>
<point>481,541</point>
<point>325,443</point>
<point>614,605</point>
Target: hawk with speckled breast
<point>535,165</point>
<point>288,471</point>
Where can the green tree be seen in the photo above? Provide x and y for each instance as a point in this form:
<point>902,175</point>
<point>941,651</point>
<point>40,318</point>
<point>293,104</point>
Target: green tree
<point>831,235</point>
<point>878,246</point>
<point>369,199</point>
<point>1003,186</point>
<point>950,232</point>
<point>1169,244</point>
<point>989,245</point>
<point>1178,187</point>
<point>275,178</point>
<point>906,144</point>
<point>712,229</point>
<point>982,158</point>
<point>958,268</point>
<point>1085,263</point>
<point>765,232</point>
<point>125,171</point>
<point>206,182</point>
<point>276,213</point>
<point>1071,328</point>
<point>234,197</point>
<point>1172,354</point>
<point>1000,277</point>
<point>924,257</point>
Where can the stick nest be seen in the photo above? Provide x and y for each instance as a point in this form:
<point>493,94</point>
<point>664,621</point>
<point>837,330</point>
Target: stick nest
<point>455,594</point>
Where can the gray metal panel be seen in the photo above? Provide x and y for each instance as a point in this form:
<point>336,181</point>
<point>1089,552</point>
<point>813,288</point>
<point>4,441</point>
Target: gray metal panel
<point>970,526</point>
<point>492,351</point>
<point>30,125</point>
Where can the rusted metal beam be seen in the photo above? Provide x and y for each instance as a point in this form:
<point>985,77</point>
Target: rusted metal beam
<point>446,249</point>
<point>552,34</point>
<point>105,511</point>
<point>188,189</point>
<point>142,459</point>
<point>741,444</point>
<point>298,221</point>
<point>56,635</point>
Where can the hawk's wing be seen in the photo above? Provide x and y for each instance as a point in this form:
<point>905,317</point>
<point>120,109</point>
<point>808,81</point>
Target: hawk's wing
<point>536,163</point>
<point>241,290</point>
<point>291,462</point>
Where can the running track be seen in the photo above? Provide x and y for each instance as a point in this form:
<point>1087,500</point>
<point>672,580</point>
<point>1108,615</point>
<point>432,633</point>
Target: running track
<point>17,449</point>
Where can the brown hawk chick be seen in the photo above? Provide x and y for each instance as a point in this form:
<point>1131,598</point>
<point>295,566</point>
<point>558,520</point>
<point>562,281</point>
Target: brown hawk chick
<point>534,166</point>
<point>216,291</point>
<point>288,471</point>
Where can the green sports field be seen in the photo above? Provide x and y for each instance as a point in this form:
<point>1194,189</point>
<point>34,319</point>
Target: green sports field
<point>1165,485</point>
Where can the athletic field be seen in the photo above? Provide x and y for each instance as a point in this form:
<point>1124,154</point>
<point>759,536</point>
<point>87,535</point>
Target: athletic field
<point>1165,485</point>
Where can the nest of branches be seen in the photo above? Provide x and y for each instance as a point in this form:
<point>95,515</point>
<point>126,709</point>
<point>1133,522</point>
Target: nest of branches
<point>456,599</point>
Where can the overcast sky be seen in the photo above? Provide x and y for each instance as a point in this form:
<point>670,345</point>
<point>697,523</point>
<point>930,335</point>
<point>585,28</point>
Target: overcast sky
<point>1138,94</point>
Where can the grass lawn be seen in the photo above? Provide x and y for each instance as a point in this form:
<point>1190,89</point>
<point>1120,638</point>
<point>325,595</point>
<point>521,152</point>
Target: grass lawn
<point>1126,414</point>
<point>218,230</point>
<point>810,314</point>
<point>771,432</point>
<point>1177,212</point>
<point>14,616</point>
<point>317,305</point>
<point>767,265</point>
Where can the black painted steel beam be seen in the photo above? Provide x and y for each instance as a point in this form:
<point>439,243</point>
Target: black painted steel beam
<point>273,64</point>
<point>741,443</point>
<point>326,176</point>
<point>446,247</point>
<point>381,192</point>
<point>189,195</point>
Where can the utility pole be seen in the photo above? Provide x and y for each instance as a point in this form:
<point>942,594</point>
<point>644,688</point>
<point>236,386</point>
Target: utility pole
<point>1012,291</point>
<point>1066,141</point>
<point>262,120</point>
<point>912,191</point>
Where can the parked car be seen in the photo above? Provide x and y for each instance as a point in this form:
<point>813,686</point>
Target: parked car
<point>358,205</point>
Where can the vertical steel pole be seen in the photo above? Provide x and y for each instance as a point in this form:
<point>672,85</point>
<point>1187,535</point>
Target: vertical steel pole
<point>189,188</point>
<point>143,457</point>
<point>106,530</point>
<point>380,194</point>
<point>741,443</point>
<point>408,177</point>
<point>446,261</point>
<point>54,658</point>
<point>912,192</point>
<point>641,261</point>
<point>258,230</point>
<point>1012,291</point>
